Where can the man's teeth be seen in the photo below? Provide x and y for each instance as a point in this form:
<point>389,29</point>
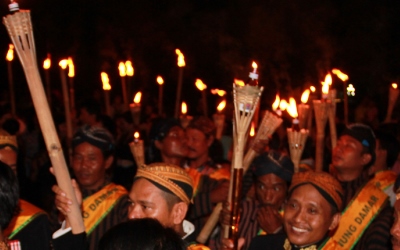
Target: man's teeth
<point>300,230</point>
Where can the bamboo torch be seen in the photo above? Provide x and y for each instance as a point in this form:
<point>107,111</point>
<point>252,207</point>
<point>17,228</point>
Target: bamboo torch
<point>160,82</point>
<point>304,109</point>
<point>19,27</point>
<point>393,94</point>
<point>106,87</point>
<point>296,137</point>
<point>71,75</point>
<point>181,65</point>
<point>202,87</point>
<point>137,150</point>
<point>342,76</point>
<point>332,116</point>
<point>130,71</point>
<point>46,67</point>
<point>122,74</point>
<point>219,119</point>
<point>135,108</point>
<point>321,109</point>
<point>68,121</point>
<point>10,58</point>
<point>245,100</point>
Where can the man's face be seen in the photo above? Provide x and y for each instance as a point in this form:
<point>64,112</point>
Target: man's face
<point>348,154</point>
<point>271,190</point>
<point>197,143</point>
<point>147,201</point>
<point>9,157</point>
<point>174,143</point>
<point>307,216</point>
<point>395,231</point>
<point>89,166</point>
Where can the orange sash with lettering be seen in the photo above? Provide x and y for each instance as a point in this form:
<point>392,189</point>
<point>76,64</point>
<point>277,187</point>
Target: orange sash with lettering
<point>97,206</point>
<point>27,213</point>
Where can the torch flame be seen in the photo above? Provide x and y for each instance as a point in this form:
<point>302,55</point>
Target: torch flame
<point>239,82</point>
<point>283,105</point>
<point>200,85</point>
<point>136,135</point>
<point>254,65</point>
<point>313,89</point>
<point>10,53</point>
<point>219,92</point>
<point>71,67</point>
<point>47,63</point>
<point>160,80</point>
<point>137,97</point>
<point>292,108</point>
<point>105,80</point>
<point>394,85</point>
<point>184,108</point>
<point>221,105</point>
<point>122,69</point>
<point>275,105</point>
<point>328,79</point>
<point>325,89</point>
<point>63,63</point>
<point>305,96</point>
<point>252,130</point>
<point>181,58</point>
<point>129,68</point>
<point>342,76</point>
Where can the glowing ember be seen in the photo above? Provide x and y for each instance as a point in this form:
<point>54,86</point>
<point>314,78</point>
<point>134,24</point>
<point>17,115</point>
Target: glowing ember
<point>137,97</point>
<point>252,130</point>
<point>71,67</point>
<point>47,63</point>
<point>64,63</point>
<point>221,105</point>
<point>105,80</point>
<point>181,58</point>
<point>394,85</point>
<point>313,89</point>
<point>10,53</point>
<point>200,85</point>
<point>342,76</point>
<point>254,65</point>
<point>136,135</point>
<point>275,105</point>
<point>129,68</point>
<point>305,96</point>
<point>219,92</point>
<point>122,69</point>
<point>239,82</point>
<point>283,105</point>
<point>292,108</point>
<point>184,108</point>
<point>160,80</point>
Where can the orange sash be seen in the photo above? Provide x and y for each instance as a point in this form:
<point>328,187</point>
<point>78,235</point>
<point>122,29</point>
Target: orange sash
<point>97,206</point>
<point>27,213</point>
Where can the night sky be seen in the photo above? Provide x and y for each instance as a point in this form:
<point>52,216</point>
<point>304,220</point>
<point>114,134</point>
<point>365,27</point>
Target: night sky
<point>295,43</point>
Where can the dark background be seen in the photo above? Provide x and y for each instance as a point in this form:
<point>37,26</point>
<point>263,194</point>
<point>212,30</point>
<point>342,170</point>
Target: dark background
<point>295,44</point>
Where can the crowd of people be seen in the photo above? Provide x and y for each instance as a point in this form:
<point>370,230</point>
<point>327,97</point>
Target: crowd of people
<point>165,203</point>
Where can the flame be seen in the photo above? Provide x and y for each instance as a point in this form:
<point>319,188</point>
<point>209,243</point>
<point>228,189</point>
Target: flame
<point>252,130</point>
<point>105,80</point>
<point>283,105</point>
<point>219,92</point>
<point>137,97</point>
<point>10,53</point>
<point>200,85</point>
<point>342,76</point>
<point>47,63</point>
<point>122,69</point>
<point>160,80</point>
<point>254,65</point>
<point>184,108</point>
<point>325,89</point>
<point>275,105</point>
<point>328,79</point>
<point>292,108</point>
<point>181,58</point>
<point>63,63</point>
<point>313,89</point>
<point>221,105</point>
<point>394,85</point>
<point>71,67</point>
<point>239,82</point>
<point>305,95</point>
<point>129,68</point>
<point>136,135</point>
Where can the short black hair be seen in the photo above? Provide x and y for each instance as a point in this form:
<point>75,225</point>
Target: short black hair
<point>9,195</point>
<point>141,234</point>
<point>389,143</point>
